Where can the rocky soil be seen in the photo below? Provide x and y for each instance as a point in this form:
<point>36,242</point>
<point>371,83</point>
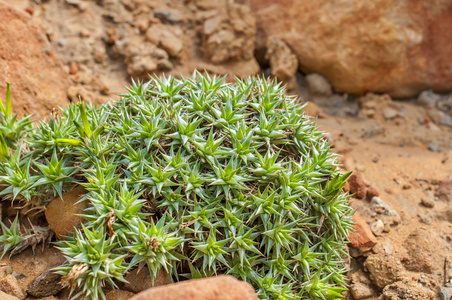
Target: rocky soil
<point>399,150</point>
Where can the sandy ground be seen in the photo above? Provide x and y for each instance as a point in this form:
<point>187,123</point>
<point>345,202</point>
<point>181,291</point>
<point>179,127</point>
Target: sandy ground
<point>397,147</point>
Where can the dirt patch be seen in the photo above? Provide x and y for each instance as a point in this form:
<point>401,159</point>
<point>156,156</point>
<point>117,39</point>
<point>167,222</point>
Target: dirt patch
<point>27,59</point>
<point>425,252</point>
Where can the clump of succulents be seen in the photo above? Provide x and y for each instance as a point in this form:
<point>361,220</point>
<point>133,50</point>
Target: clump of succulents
<point>194,177</point>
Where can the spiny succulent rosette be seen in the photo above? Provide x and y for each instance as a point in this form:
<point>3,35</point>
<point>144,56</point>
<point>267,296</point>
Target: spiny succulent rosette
<point>195,177</point>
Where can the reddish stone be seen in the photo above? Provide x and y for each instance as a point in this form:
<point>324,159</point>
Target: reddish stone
<point>363,236</point>
<point>375,52</point>
<point>372,192</point>
<point>73,68</point>
<point>29,10</point>
<point>214,288</point>
<point>357,185</point>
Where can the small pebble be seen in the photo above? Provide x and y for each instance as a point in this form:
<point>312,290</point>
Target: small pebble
<point>389,191</point>
<point>428,98</point>
<point>428,202</point>
<point>84,33</point>
<point>445,104</point>
<point>433,147</point>
<point>83,6</point>
<point>447,121</point>
<point>424,219</point>
<point>360,290</point>
<point>30,10</point>
<point>445,293</point>
<point>73,2</point>
<point>360,168</point>
<point>357,185</point>
<point>385,247</point>
<point>390,113</point>
<point>318,85</point>
<point>372,192</point>
<point>432,127</point>
<point>73,68</point>
<point>377,227</point>
<point>164,64</point>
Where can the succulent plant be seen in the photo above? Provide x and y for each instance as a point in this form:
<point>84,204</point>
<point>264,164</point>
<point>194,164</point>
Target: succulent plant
<point>15,241</point>
<point>196,177</point>
<point>11,237</point>
<point>91,262</point>
<point>12,129</point>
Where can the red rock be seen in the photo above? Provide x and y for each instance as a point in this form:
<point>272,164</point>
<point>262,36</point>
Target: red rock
<point>357,185</point>
<point>73,68</point>
<point>63,214</point>
<point>360,290</point>
<point>38,81</point>
<point>372,192</point>
<point>399,47</point>
<point>444,191</point>
<point>29,10</point>
<point>363,236</point>
<point>214,288</point>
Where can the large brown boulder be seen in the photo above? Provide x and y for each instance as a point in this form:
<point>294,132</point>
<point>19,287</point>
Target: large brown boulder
<point>213,288</point>
<point>362,235</point>
<point>399,47</point>
<point>38,81</point>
